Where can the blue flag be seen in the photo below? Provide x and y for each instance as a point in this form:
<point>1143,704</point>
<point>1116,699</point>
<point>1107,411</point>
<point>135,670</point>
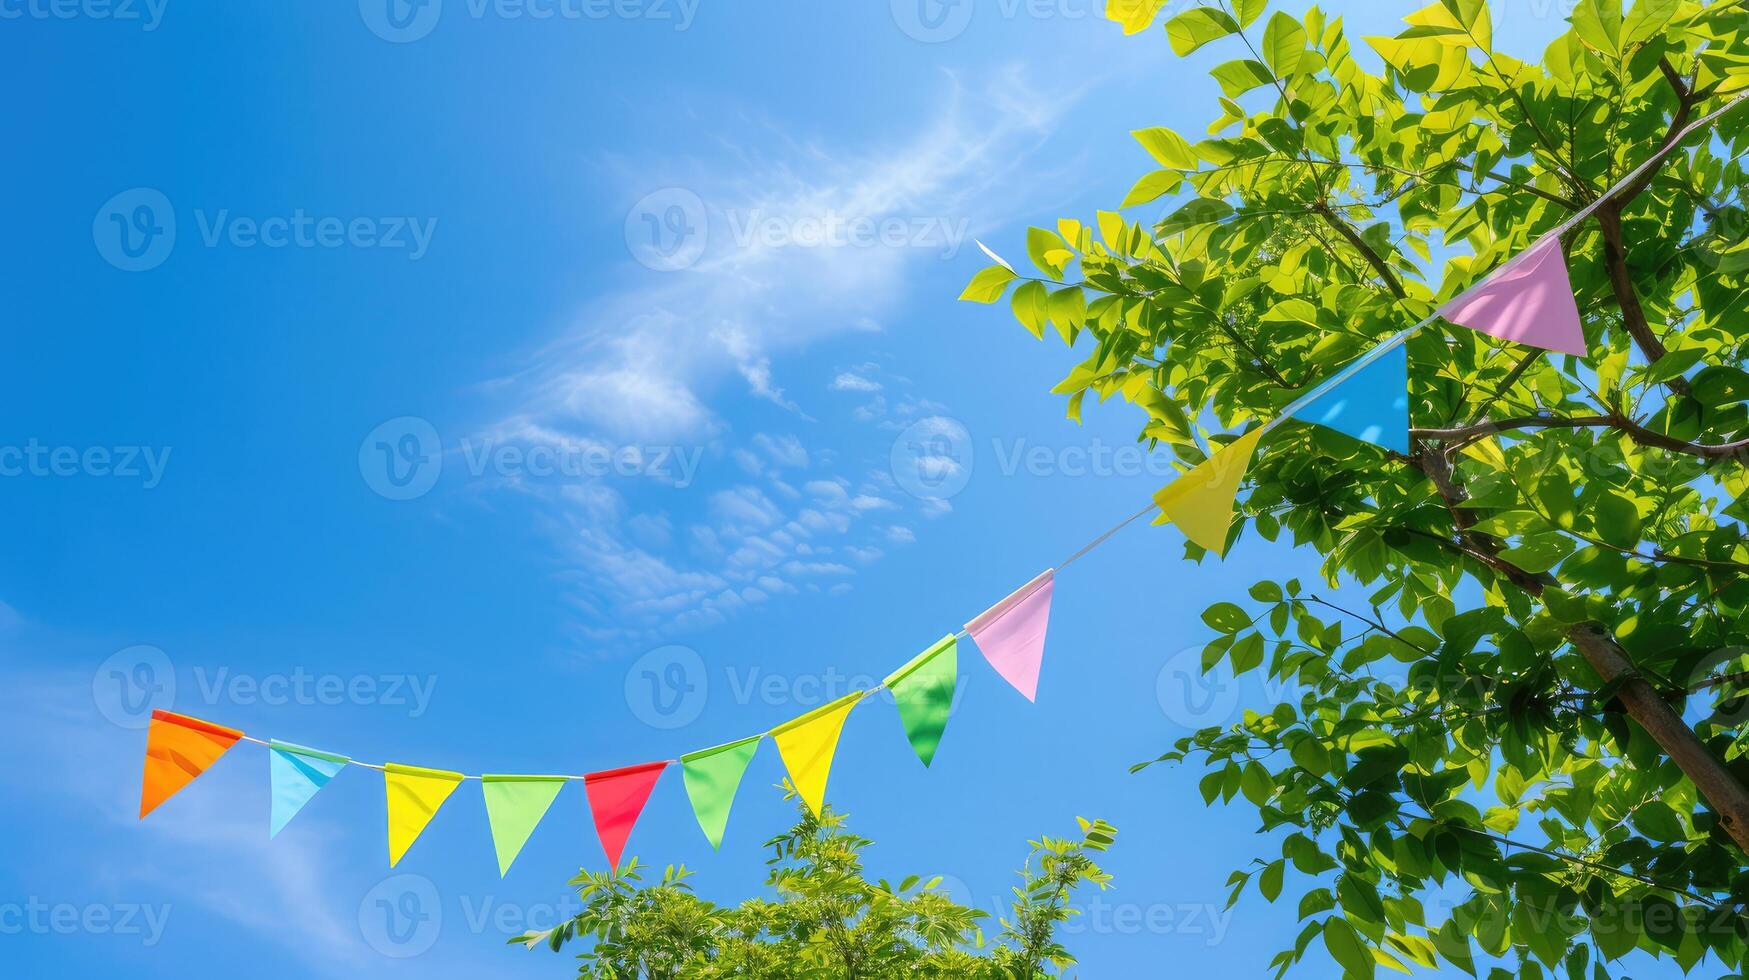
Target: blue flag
<point>1371,405</point>
<point>297,774</point>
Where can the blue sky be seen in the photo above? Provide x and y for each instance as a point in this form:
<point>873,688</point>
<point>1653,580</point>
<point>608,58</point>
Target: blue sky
<point>524,393</point>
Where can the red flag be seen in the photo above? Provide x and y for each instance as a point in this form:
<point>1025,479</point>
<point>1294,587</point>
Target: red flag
<point>179,748</point>
<point>616,797</point>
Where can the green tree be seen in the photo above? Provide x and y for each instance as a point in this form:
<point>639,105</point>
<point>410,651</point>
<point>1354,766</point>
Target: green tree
<point>1525,735</point>
<point>825,918</point>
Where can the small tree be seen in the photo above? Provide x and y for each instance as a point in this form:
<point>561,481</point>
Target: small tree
<point>825,918</point>
<point>1552,639</point>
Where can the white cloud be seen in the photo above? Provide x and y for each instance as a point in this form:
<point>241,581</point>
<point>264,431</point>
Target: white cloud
<point>850,381</point>
<point>647,361</point>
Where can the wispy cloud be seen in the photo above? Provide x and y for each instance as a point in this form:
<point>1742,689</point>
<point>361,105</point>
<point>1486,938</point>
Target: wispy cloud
<point>803,241</point>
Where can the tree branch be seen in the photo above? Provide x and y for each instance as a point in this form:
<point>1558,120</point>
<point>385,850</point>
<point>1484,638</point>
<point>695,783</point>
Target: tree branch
<point>1638,433</point>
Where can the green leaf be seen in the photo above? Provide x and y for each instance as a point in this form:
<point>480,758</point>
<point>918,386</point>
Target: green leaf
<point>1266,591</point>
<point>1198,26</point>
<point>1240,76</point>
<point>1618,520</point>
<point>1645,19</point>
<point>1248,10</point>
<point>1029,306</point>
<point>1256,783</point>
<point>1269,882</point>
<point>988,285</point>
<point>1284,41</point>
<point>1226,617</point>
<point>1360,899</point>
<point>1043,247</point>
<point>1598,24</point>
<point>1167,147</point>
<point>1539,552</point>
<point>1152,186</point>
<point>1347,948</point>
<point>1660,823</point>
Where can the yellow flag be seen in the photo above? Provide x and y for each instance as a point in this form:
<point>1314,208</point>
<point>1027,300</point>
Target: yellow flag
<point>1201,502</point>
<point>414,796</point>
<point>807,743</point>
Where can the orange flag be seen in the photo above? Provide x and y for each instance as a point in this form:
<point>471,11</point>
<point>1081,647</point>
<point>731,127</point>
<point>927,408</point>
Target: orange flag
<point>179,748</point>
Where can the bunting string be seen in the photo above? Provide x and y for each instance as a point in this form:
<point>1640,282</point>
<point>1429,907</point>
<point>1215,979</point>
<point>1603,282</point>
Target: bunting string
<point>1527,299</point>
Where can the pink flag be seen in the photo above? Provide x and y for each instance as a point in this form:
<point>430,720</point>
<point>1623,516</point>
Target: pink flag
<point>616,797</point>
<point>1529,299</point>
<point>1011,634</point>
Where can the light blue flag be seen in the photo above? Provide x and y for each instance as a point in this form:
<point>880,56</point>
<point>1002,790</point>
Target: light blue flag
<point>1371,405</point>
<point>297,774</point>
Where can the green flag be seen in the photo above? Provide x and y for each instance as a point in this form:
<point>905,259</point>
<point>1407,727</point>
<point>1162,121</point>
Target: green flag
<point>924,691</point>
<point>712,776</point>
<point>514,806</point>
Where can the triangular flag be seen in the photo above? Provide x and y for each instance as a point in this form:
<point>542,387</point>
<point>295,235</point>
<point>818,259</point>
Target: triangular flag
<point>1529,299</point>
<point>923,689</point>
<point>296,773</point>
<point>712,777</point>
<point>1011,634</point>
<point>414,796</point>
<point>616,797</point>
<point>179,748</point>
<point>1372,404</point>
<point>514,806</point>
<point>1201,502</point>
<point>807,743</point>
